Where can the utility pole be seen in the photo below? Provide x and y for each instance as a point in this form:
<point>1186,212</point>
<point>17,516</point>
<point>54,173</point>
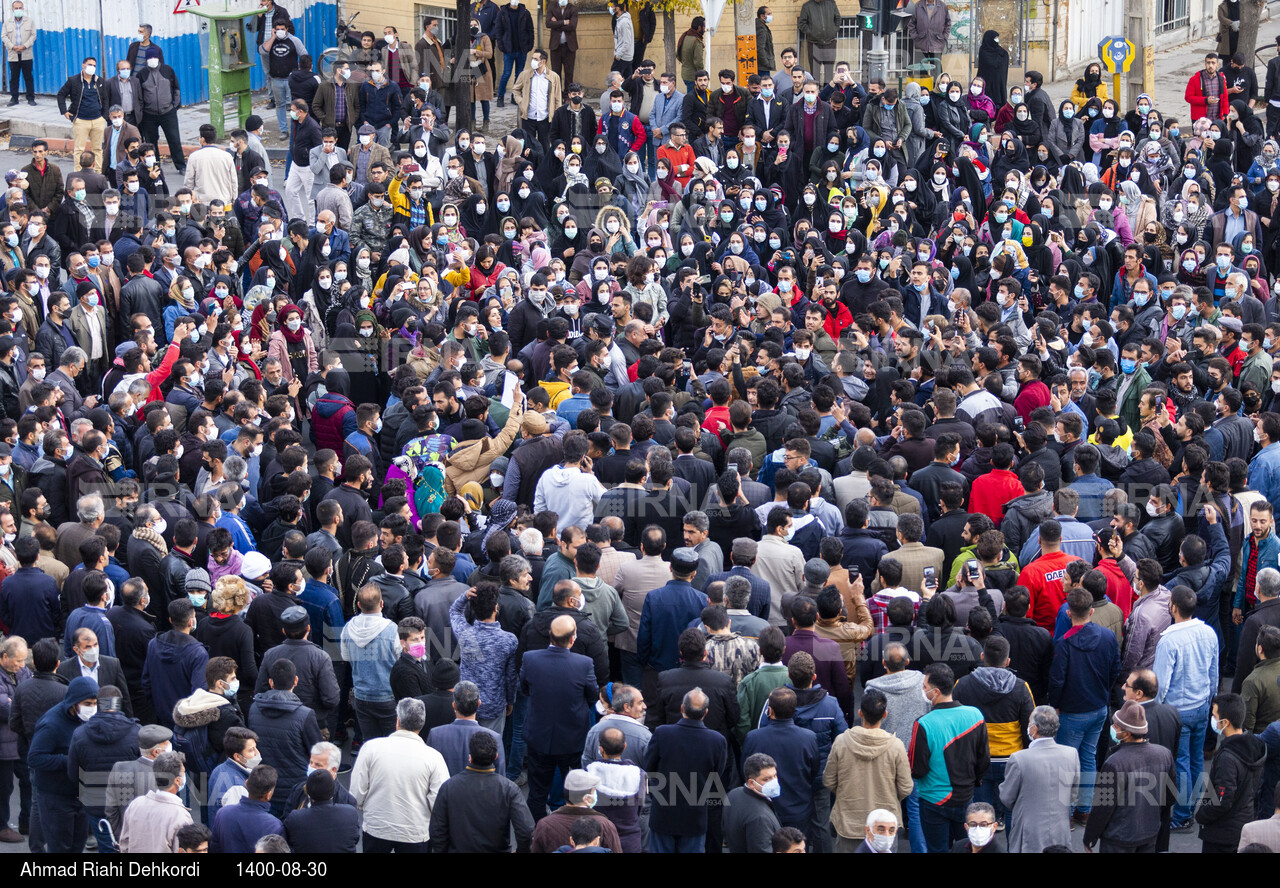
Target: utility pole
<point>877,58</point>
<point>463,73</point>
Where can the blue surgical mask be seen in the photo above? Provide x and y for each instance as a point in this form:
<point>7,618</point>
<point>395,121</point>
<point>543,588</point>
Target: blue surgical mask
<point>1079,291</point>
<point>863,275</point>
<point>1128,365</point>
<point>1180,312</point>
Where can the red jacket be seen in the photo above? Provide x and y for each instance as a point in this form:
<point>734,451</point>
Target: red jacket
<point>992,491</point>
<point>1196,99</point>
<point>834,323</point>
<point>1043,579</point>
<point>717,421</point>
<point>629,122</point>
<point>1031,396</point>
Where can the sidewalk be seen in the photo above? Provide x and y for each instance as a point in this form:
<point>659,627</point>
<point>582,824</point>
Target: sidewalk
<point>27,123</point>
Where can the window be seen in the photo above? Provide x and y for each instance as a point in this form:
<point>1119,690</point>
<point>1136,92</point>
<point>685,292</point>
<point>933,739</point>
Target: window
<point>448,16</point>
<point>1172,14</point>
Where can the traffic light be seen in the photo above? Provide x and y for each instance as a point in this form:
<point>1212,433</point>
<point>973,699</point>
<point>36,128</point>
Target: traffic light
<point>881,17</point>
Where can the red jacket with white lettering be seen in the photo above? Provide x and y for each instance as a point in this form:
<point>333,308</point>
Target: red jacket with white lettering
<point>1043,579</point>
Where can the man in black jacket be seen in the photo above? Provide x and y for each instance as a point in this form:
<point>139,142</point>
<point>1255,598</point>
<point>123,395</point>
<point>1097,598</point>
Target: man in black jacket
<point>286,731</point>
<point>478,809</point>
<point>83,101</point>
<point>1229,799</point>
<point>161,99</point>
<point>695,672</point>
<point>134,630</point>
<point>1030,646</point>
<point>266,613</point>
<point>566,597</point>
<point>317,683</point>
<point>749,819</point>
<point>409,677</point>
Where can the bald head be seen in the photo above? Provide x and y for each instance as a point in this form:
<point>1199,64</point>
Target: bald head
<point>695,705</point>
<point>563,631</point>
<point>615,527</point>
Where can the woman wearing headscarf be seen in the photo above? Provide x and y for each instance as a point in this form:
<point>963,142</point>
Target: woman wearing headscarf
<point>633,183</point>
<point>528,203</point>
<point>1267,205</point>
<point>1005,113</point>
<point>276,268</point>
<point>1089,86</point>
<point>600,162</point>
<point>552,167</point>
<point>979,105</point>
<point>368,364</point>
<point>993,67</point>
<point>1190,271</point>
<point>1247,133</point>
<point>917,142</point>
<point>1025,127</point>
<point>1012,156</point>
<point>1222,171</point>
<point>292,345</point>
<point>571,242</point>
<point>952,116</point>
<point>1104,134</point>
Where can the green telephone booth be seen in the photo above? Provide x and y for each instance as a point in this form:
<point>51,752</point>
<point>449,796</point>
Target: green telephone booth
<point>231,58</point>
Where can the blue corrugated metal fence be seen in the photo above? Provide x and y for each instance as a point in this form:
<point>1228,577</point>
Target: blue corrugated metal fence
<point>67,32</point>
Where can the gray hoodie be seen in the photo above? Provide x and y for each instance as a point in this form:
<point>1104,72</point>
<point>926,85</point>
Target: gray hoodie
<point>904,701</point>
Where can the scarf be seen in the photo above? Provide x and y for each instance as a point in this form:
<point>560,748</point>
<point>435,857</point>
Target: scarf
<point>289,334</point>
<point>147,535</point>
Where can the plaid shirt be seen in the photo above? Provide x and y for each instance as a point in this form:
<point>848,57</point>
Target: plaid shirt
<point>878,604</point>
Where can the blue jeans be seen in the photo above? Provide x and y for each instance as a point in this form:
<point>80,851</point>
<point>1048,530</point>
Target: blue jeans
<point>689,86</point>
<point>280,92</point>
<point>943,826</point>
<point>510,61</point>
<point>989,791</point>
<point>1190,761</point>
<point>650,159</point>
<point>661,843</point>
<point>513,732</point>
<point>1080,731</point>
<point>915,831</point>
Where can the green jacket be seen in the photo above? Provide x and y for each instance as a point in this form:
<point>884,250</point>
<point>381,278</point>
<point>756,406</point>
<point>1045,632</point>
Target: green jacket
<point>754,442</point>
<point>819,21</point>
<point>1257,370</point>
<point>753,694</point>
<point>692,57</point>
<point>764,46</point>
<point>1129,407</point>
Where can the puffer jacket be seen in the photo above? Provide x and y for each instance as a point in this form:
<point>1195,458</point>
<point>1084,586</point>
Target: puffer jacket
<point>773,425</point>
<point>9,738</point>
<point>1005,702</point>
<point>1228,801</point>
<point>819,712</point>
<point>397,601</point>
<point>1024,514</point>
<point>212,712</point>
<point>51,743</point>
<point>33,699</point>
<point>868,769</point>
<point>286,732</point>
<point>332,420</point>
<point>470,461</point>
<point>106,739</point>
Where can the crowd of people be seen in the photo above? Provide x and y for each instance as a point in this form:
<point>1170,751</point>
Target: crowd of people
<point>797,465</point>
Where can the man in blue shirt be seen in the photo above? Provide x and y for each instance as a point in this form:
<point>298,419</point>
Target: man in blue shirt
<point>1186,668</point>
<point>667,611</point>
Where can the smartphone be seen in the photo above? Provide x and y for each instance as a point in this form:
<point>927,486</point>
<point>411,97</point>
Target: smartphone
<point>972,566</point>
<point>661,204</point>
<point>930,576</point>
<point>1017,423</point>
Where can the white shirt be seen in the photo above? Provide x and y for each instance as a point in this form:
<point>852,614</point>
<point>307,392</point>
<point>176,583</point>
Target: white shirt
<point>539,86</point>
<point>88,671</point>
<point>395,783</point>
<point>95,336</point>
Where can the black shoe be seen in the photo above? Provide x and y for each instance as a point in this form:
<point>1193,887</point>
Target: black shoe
<point>31,102</point>
<point>501,102</point>
<point>12,102</point>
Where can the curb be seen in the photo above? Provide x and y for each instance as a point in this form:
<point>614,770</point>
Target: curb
<point>63,146</point>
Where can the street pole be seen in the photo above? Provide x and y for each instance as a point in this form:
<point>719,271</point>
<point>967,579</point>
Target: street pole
<point>877,58</point>
<point>462,70</point>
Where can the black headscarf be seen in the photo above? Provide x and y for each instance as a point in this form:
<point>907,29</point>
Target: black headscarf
<point>993,67</point>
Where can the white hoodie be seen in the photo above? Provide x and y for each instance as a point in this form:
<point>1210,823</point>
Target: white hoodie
<point>569,492</point>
